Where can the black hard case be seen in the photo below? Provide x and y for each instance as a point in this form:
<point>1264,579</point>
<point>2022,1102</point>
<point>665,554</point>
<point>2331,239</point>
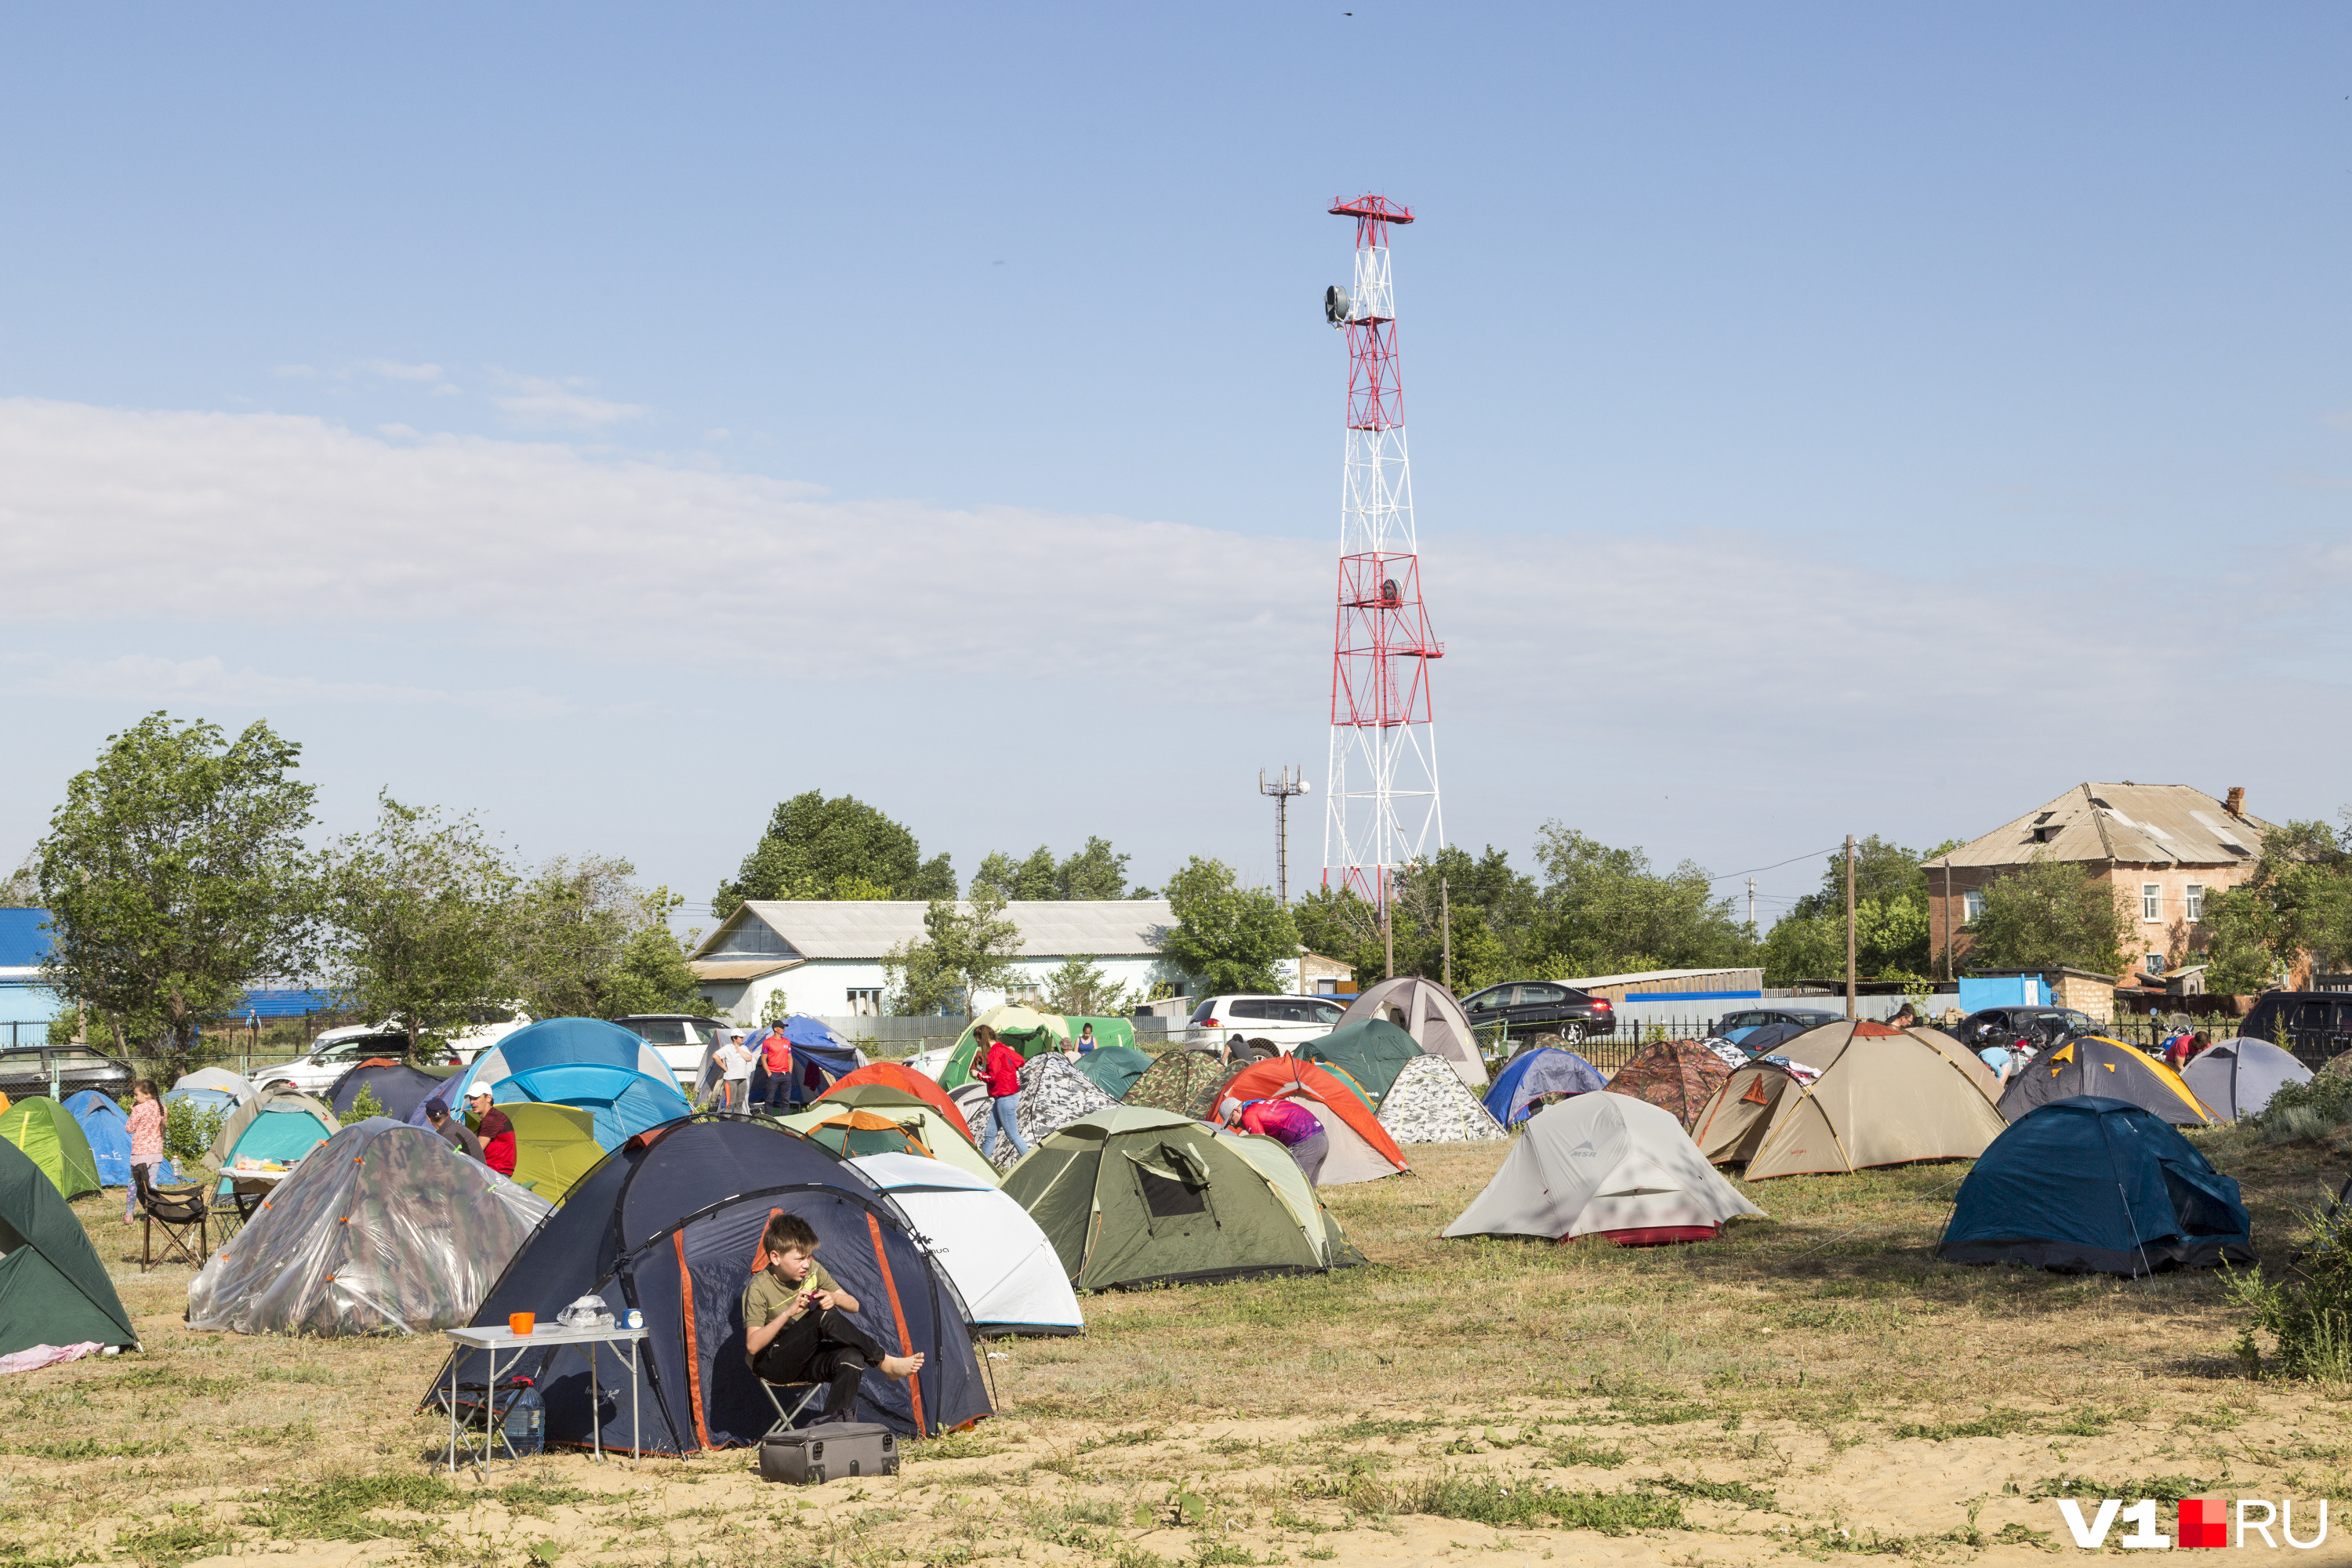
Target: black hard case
<point>831,1450</point>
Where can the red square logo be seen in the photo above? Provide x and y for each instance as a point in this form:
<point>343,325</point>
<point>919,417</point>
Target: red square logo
<point>2204,1521</point>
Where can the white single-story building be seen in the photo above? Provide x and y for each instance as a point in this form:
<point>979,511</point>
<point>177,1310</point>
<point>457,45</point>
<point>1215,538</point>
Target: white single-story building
<point>826,954</point>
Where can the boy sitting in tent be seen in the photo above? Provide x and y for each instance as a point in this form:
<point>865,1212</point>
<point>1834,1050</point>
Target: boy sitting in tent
<point>797,1327</point>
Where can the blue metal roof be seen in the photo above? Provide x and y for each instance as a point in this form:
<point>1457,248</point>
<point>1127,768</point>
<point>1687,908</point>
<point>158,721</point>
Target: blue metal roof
<point>23,943</point>
<point>288,1004</point>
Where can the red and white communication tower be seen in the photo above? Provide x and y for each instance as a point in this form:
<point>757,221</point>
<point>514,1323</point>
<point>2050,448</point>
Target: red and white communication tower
<point>1382,809</point>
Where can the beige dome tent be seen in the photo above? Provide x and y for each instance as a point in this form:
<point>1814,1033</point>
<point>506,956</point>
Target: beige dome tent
<point>1428,1012</point>
<point>1855,1095</point>
<point>1609,1165</point>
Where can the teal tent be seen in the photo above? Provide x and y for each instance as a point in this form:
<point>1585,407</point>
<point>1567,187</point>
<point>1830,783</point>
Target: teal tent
<point>1371,1053</point>
<point>1113,1069</point>
<point>53,1288</point>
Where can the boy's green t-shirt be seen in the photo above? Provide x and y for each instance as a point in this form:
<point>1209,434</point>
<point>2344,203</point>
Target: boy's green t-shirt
<point>767,1295</point>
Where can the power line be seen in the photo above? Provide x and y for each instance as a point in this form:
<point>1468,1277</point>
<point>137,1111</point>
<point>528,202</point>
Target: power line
<point>1777,864</point>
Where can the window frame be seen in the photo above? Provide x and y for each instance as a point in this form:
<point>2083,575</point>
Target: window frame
<point>2151,903</point>
<point>2193,900</point>
<point>1971,906</point>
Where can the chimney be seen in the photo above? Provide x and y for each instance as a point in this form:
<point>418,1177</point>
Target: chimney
<point>2236,804</point>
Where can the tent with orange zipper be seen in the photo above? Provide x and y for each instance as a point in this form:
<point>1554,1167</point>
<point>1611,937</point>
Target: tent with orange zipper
<point>1845,1097</point>
<point>1362,1149</point>
<point>891,1075</point>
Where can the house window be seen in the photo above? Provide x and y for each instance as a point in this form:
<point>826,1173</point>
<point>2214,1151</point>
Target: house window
<point>2151,902</point>
<point>2154,964</point>
<point>1975,908</point>
<point>2193,897</point>
<point>1026,993</point>
<point>865,1004</point>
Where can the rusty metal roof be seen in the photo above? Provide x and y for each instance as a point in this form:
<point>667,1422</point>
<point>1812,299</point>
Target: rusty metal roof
<point>2154,824</point>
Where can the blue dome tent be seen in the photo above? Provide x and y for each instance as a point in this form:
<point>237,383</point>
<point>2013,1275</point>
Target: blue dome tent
<point>819,1057</point>
<point>2099,1186</point>
<point>587,1063</point>
<point>1548,1069</point>
<point>107,1127</point>
<point>668,1225</point>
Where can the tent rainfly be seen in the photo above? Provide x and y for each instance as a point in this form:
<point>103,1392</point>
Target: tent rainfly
<point>907,1083</point>
<point>1861,1094</point>
<point>1608,1165</point>
<point>599,1067</point>
<point>1006,1271</point>
<point>1371,1053</point>
<point>2237,1076</point>
<point>1535,1073</point>
<point>220,1081</point>
<point>1186,1082</point>
<point>2095,1066</point>
<point>555,1146</point>
<point>1026,1029</point>
<point>1429,1104</point>
<point>53,1288</point>
<point>1678,1076</point>
<point>1428,1012</point>
<point>398,1088</point>
<point>279,1124</point>
<point>1362,1149</point>
<point>108,1127</point>
<point>1114,1069</point>
<point>52,1138</point>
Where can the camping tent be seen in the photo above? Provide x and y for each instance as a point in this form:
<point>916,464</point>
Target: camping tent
<point>1135,1196</point>
<point>2108,1069</point>
<point>1371,1053</point>
<point>1114,1069</point>
<point>386,1229</point>
<point>1054,1093</point>
<point>555,1146</point>
<point>1108,1031</point>
<point>219,1080</point>
<point>399,1088</point>
<point>2097,1185</point>
<point>907,1083</point>
<point>1428,1012</point>
<point>279,1124</point>
<point>1863,1094</point>
<point>1026,1029</point>
<point>942,1138</point>
<point>586,1062</point>
<point>53,1139</point>
<point>108,1127</point>
<point>1362,1149</point>
<point>2237,1076</point>
<point>851,1130</point>
<point>1429,1104</point>
<point>1003,1266</point>
<point>1546,1070</point>
<point>1678,1076</point>
<point>1604,1164</point>
<point>53,1288</point>
<point>670,1224</point>
<point>1183,1082</point>
<point>820,1060</point>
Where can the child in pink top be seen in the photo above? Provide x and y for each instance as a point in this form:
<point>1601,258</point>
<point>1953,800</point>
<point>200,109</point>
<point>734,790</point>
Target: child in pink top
<point>146,1142</point>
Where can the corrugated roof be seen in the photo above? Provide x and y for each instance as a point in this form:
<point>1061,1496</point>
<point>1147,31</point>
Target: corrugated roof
<point>2148,824</point>
<point>23,943</point>
<point>740,968</point>
<point>852,928</point>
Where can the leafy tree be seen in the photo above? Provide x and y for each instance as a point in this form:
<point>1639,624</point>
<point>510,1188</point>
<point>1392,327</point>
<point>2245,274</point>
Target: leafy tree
<point>813,842</point>
<point>2297,902</point>
<point>175,878</point>
<point>1227,937</point>
<point>1607,913</point>
<point>419,908</point>
<point>2048,913</point>
<point>1492,909</point>
<point>966,949</point>
<point>1094,872</point>
<point>586,941</point>
<point>364,1104</point>
<point>1891,925</point>
<point>1080,987</point>
<point>22,887</point>
<point>1012,879</point>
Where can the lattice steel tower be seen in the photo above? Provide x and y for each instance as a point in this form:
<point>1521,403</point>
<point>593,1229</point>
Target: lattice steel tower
<point>1383,808</point>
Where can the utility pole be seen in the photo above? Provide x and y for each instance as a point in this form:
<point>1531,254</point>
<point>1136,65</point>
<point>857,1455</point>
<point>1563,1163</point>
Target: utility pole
<point>1849,925</point>
<point>1288,783</point>
<point>1751,903</point>
<point>1445,919</point>
<point>1947,915</point>
<point>1388,942</point>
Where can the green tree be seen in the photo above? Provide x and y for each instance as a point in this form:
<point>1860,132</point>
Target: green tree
<point>813,842</point>
<point>175,878</point>
<point>1081,987</point>
<point>586,941</point>
<point>966,949</point>
<point>2297,901</point>
<point>1606,912</point>
<point>419,908</point>
<point>1227,937</point>
<point>2048,913</point>
<point>22,887</point>
<point>1095,872</point>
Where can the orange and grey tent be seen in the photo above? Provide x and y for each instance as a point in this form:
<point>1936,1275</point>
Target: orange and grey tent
<point>1362,1149</point>
<point>891,1075</point>
<point>1862,1095</point>
<point>2108,1069</point>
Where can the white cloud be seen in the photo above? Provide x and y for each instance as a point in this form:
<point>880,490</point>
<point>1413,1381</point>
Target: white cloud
<point>142,677</point>
<point>550,402</point>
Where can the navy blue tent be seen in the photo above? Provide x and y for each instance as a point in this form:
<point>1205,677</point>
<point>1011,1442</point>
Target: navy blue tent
<point>1546,1070</point>
<point>819,1057</point>
<point>399,1087</point>
<point>669,1224</point>
<point>2098,1186</point>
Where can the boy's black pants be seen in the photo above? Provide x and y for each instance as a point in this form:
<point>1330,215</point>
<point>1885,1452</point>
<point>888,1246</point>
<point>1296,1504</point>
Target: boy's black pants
<point>822,1347</point>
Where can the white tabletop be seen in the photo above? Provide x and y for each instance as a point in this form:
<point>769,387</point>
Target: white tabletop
<point>505,1339</point>
<point>233,1174</point>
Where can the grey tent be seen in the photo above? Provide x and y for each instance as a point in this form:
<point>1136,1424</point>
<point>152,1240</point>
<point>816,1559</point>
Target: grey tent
<point>2237,1076</point>
<point>1428,1012</point>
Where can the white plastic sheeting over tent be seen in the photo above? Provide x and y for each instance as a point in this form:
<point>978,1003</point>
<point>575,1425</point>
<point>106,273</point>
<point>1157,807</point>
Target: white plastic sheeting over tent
<point>1604,1164</point>
<point>1002,1265</point>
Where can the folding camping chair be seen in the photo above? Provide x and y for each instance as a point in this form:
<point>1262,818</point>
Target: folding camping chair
<point>784,1419</point>
<point>178,1210</point>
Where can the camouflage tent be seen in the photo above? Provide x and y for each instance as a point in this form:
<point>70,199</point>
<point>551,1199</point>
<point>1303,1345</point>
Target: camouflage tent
<point>1678,1076</point>
<point>1185,1082</point>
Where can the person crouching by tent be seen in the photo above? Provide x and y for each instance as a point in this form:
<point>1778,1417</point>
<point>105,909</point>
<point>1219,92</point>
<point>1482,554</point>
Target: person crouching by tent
<point>1291,1125</point>
<point>146,1130</point>
<point>453,1130</point>
<point>1000,1068</point>
<point>2184,1050</point>
<point>496,1133</point>
<point>797,1323</point>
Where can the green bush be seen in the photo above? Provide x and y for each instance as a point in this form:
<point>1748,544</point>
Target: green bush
<point>364,1104</point>
<point>190,1129</point>
<point>2300,1111</point>
<point>2309,1312</point>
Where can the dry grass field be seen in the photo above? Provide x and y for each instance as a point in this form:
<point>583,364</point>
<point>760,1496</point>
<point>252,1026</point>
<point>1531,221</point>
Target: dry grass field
<point>1816,1386</point>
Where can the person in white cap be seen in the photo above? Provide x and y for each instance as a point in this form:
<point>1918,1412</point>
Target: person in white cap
<point>491,1126</point>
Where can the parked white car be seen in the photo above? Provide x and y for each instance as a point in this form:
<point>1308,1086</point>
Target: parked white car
<point>678,1039</point>
<point>1286,1021</point>
<point>337,1051</point>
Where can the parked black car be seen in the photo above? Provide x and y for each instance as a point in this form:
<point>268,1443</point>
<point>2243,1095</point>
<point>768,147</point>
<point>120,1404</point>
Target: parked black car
<point>27,1069</point>
<point>1542,1006</point>
<point>2316,1025</point>
<point>2041,1027</point>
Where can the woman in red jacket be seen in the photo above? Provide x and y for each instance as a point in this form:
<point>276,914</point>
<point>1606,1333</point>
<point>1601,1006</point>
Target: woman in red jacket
<point>496,1133</point>
<point>1000,1068</point>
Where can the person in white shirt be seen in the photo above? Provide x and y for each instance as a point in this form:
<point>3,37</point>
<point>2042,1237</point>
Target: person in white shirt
<point>735,1063</point>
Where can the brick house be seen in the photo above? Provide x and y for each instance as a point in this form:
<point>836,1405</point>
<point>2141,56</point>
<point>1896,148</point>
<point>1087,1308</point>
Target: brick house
<point>2166,848</point>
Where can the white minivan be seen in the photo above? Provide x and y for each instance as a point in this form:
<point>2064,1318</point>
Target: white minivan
<point>1286,1021</point>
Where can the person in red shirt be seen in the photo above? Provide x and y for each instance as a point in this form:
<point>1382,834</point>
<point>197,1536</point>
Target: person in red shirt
<point>1000,1068</point>
<point>496,1133</point>
<point>776,1056</point>
<point>1289,1124</point>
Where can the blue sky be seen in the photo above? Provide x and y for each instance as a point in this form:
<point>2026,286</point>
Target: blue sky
<point>1824,419</point>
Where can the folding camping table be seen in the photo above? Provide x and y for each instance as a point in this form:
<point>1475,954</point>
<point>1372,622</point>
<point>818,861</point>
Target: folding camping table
<point>496,1340</point>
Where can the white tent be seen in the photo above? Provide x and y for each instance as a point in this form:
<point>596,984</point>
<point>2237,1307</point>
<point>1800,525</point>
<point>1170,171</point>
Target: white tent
<point>1003,1266</point>
<point>1606,1164</point>
<point>1428,1012</point>
<point>2237,1076</point>
<point>239,1088</point>
<point>1429,1104</point>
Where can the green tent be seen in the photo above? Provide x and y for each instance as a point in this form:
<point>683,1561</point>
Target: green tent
<point>1135,1196</point>
<point>1114,1069</point>
<point>1185,1082</point>
<point>888,1127</point>
<point>1107,1031</point>
<point>1371,1053</point>
<point>53,1288</point>
<point>53,1139</point>
<point>555,1145</point>
<point>1025,1029</point>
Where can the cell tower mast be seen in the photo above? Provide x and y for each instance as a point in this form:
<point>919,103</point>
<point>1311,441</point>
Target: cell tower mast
<point>1383,809</point>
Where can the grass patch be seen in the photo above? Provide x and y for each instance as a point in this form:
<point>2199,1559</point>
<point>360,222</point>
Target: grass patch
<point>1699,1487</point>
<point>951,1446</point>
<point>98,1449</point>
<point>1367,1428</point>
<point>1569,1451</point>
<point>1123,1439</point>
<point>2161,1487</point>
<point>1992,1423</point>
<point>167,1544</point>
<point>536,1497</point>
<point>337,1508</point>
<point>1480,1501</point>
